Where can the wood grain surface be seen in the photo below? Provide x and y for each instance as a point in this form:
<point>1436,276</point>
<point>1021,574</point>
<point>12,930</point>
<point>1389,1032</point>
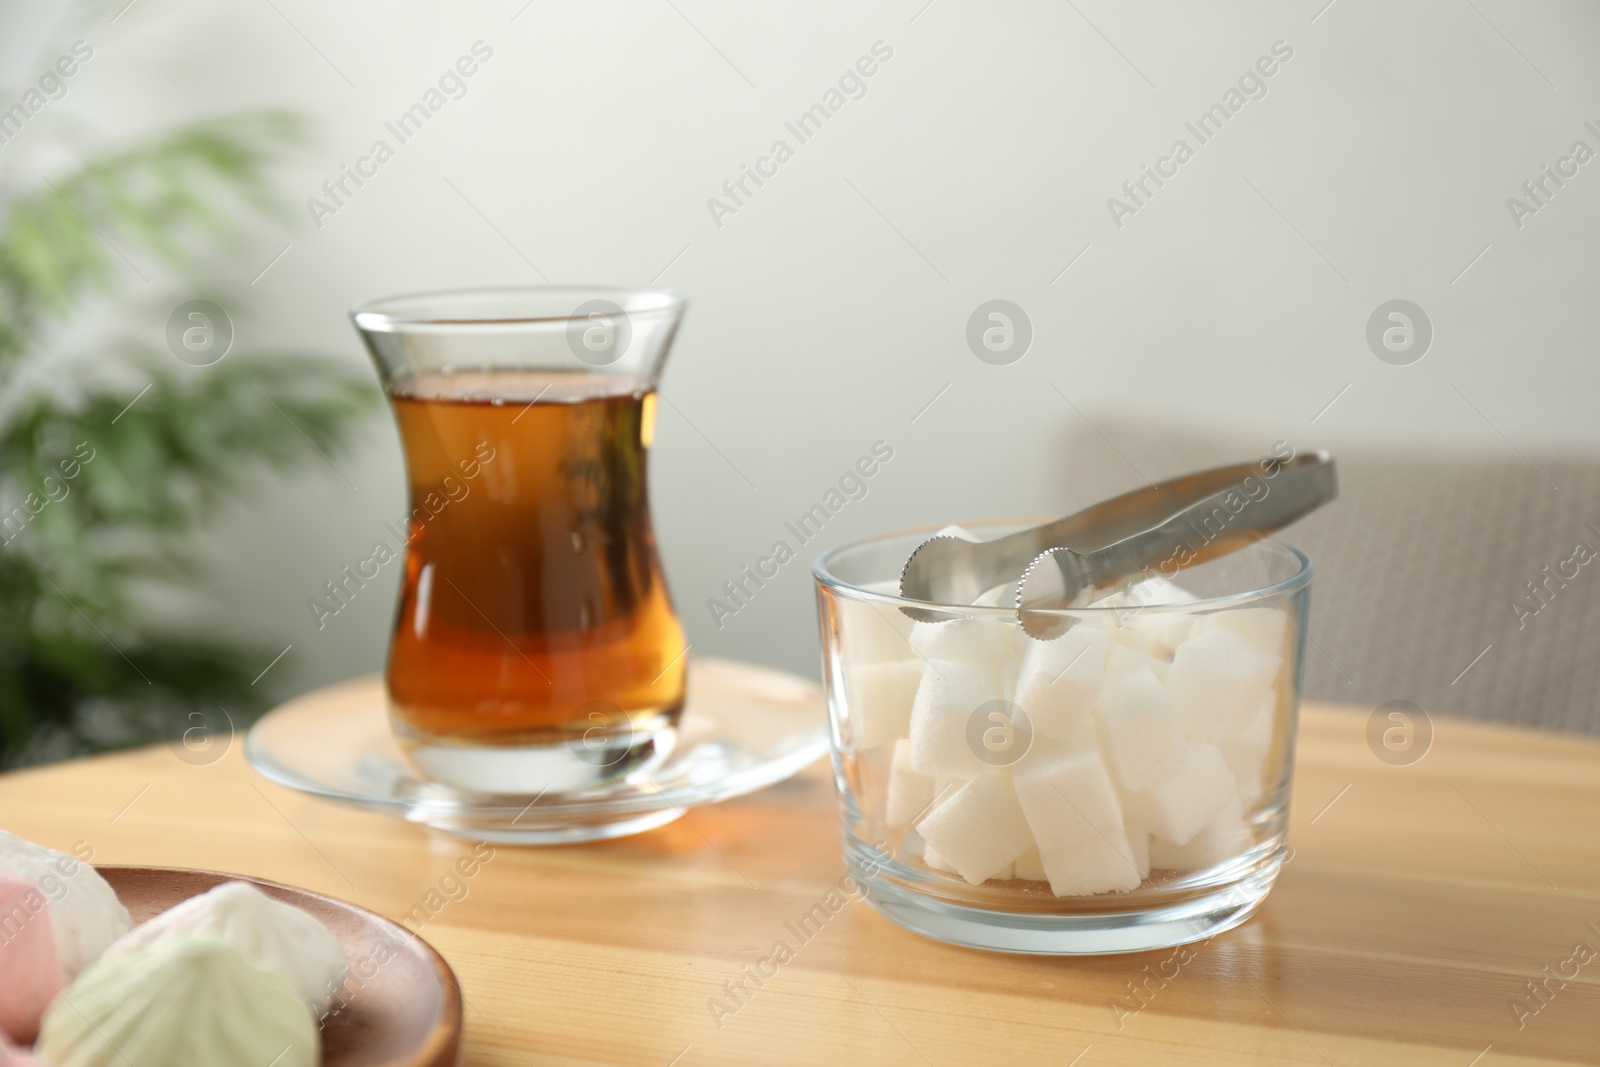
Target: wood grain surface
<point>1446,912</point>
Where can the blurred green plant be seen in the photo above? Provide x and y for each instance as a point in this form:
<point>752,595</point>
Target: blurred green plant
<point>83,665</point>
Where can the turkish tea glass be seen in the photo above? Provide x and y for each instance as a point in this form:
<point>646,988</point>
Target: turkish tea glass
<point>535,646</point>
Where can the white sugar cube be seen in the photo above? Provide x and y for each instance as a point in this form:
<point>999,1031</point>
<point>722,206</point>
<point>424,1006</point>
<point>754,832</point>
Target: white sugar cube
<point>1161,590</point>
<point>950,692</point>
<point>1115,605</point>
<point>1139,841</point>
<point>1058,681</point>
<point>1245,752</point>
<point>1140,730</point>
<point>1076,820</point>
<point>909,793</point>
<point>1217,681</point>
<point>879,700</point>
<point>1180,807</point>
<point>1097,866</point>
<point>1168,629</point>
<point>931,858</point>
<point>870,632</point>
<point>980,830</point>
<point>1263,626</point>
<point>1029,867</point>
<point>1223,838</point>
<point>1124,658</point>
<point>1135,615</point>
<point>982,641</point>
<point>1111,613</point>
<point>1138,635</point>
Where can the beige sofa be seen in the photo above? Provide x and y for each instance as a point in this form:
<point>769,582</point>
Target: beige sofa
<point>1455,583</point>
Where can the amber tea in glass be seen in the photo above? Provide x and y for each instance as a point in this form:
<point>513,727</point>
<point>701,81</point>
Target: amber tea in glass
<point>535,645</point>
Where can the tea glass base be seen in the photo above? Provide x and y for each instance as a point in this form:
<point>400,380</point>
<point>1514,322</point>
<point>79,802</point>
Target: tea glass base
<point>1085,934</point>
<point>743,727</point>
<point>559,767</point>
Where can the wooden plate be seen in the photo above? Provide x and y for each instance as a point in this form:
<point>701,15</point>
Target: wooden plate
<point>401,1003</point>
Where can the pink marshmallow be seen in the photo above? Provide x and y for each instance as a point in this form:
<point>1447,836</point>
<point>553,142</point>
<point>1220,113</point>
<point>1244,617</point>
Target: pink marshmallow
<point>30,971</point>
<point>11,1056</point>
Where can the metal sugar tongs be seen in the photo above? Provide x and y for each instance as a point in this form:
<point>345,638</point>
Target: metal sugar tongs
<point>1173,524</point>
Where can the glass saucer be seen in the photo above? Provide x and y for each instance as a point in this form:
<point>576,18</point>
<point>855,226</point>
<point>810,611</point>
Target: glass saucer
<point>744,727</point>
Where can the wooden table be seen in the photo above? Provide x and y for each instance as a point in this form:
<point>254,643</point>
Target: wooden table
<point>1419,904</point>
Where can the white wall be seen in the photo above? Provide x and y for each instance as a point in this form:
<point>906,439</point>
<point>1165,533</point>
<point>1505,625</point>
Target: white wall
<point>832,307</point>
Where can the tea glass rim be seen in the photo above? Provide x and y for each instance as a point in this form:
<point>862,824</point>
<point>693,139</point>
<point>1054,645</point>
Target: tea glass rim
<point>824,576</point>
<point>390,314</point>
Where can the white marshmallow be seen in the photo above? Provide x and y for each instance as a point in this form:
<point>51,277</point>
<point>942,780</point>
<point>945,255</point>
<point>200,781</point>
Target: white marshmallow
<point>1180,807</point>
<point>1076,820</point>
<point>1217,681</point>
<point>909,793</point>
<point>1140,730</point>
<point>1223,838</point>
<point>85,914</point>
<point>951,690</point>
<point>1058,681</point>
<point>879,700</point>
<point>980,830</point>
<point>273,935</point>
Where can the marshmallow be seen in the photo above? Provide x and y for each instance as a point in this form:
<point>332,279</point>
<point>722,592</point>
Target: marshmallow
<point>85,914</point>
<point>187,1000</point>
<point>281,938</point>
<point>30,971</point>
<point>11,1056</point>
